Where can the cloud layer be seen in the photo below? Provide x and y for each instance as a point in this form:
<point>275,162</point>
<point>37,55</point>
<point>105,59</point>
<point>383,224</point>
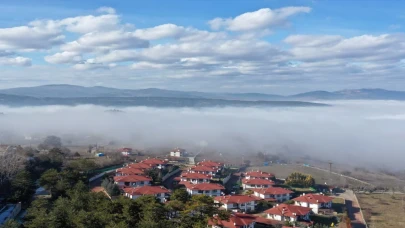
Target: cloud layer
<point>354,132</point>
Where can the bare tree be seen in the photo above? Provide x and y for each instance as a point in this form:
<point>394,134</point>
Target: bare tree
<point>10,164</point>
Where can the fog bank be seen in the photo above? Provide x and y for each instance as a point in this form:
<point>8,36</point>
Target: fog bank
<point>348,131</point>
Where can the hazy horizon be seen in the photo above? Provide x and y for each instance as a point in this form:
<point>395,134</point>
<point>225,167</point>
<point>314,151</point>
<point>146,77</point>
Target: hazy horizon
<point>352,132</point>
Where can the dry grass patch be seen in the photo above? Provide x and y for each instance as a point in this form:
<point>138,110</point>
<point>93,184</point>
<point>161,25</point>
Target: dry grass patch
<point>383,210</point>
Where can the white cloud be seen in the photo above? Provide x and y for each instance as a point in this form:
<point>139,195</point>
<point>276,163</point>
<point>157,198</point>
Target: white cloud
<point>64,57</point>
<point>16,61</point>
<point>106,9</point>
<point>260,19</point>
<point>105,41</point>
<point>29,38</point>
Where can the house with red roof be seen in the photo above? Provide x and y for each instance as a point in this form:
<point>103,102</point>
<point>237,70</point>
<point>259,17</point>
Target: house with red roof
<point>141,166</point>
<point>216,165</point>
<point>208,189</point>
<point>273,194</point>
<point>195,178</point>
<point>259,175</point>
<point>126,151</point>
<point>132,180</point>
<point>203,170</point>
<point>242,203</point>
<point>159,192</point>
<point>314,201</point>
<point>126,171</point>
<point>236,220</point>
<point>155,163</point>
<point>256,183</point>
<point>288,212</point>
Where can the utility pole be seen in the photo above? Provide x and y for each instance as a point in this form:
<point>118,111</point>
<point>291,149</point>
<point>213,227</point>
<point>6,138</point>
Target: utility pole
<point>330,172</point>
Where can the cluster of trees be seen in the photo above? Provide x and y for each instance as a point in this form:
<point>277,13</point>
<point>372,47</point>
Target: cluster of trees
<point>155,174</point>
<point>59,182</point>
<point>81,208</point>
<point>300,179</point>
<point>110,187</point>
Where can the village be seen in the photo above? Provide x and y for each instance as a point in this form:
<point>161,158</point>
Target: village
<point>250,195</point>
<point>254,197</point>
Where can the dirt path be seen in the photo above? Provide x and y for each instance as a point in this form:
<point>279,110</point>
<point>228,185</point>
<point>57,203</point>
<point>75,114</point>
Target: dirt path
<point>353,209</point>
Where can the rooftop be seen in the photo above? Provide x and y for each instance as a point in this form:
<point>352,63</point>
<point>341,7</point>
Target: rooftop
<point>235,199</point>
<point>153,161</point>
<point>288,210</point>
<point>259,174</point>
<point>236,220</point>
<point>146,190</point>
<point>272,191</point>
<point>200,168</point>
<point>313,198</point>
<point>205,186</point>
<point>195,176</point>
<point>131,178</point>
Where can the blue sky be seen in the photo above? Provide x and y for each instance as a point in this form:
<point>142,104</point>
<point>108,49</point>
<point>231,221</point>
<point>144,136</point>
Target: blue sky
<point>271,46</point>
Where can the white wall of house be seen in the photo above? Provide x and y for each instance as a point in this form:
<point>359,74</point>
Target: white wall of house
<point>195,181</point>
<point>133,184</point>
<point>211,193</point>
<point>315,207</point>
<point>160,196</point>
<point>176,154</point>
<point>248,186</point>
<point>244,207</point>
<point>278,197</point>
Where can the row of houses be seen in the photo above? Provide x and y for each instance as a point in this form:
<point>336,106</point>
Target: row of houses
<point>199,180</point>
<point>134,183</point>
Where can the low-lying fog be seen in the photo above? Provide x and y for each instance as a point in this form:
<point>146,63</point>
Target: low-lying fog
<point>348,131</point>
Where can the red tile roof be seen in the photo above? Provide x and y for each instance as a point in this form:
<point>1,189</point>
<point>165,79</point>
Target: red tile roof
<point>288,210</point>
<point>259,174</point>
<point>235,199</point>
<point>201,168</point>
<point>272,191</point>
<point>139,166</point>
<point>205,186</point>
<point>195,176</point>
<point>153,161</point>
<point>257,181</point>
<point>313,198</point>
<point>236,220</point>
<point>210,164</point>
<point>125,150</point>
<point>131,178</point>
<point>146,190</point>
<point>130,171</point>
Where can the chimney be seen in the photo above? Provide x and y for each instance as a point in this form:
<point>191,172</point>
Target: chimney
<point>303,194</point>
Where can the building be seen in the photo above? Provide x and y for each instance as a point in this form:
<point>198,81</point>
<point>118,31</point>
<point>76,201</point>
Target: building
<point>159,192</point>
<point>273,194</point>
<point>314,201</point>
<point>256,183</point>
<point>208,189</point>
<point>155,163</point>
<point>195,178</point>
<point>140,166</point>
<point>203,170</point>
<point>178,152</point>
<point>132,180</point>
<point>288,212</point>
<point>259,175</point>
<point>9,211</point>
<point>216,165</point>
<point>126,151</point>
<point>236,220</point>
<point>242,203</point>
<point>127,171</point>
<point>42,193</point>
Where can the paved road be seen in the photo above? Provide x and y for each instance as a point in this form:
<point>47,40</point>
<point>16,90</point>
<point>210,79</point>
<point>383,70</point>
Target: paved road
<point>353,209</point>
<point>168,183</point>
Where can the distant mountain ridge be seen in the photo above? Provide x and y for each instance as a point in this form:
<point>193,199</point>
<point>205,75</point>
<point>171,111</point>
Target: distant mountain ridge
<point>73,91</point>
